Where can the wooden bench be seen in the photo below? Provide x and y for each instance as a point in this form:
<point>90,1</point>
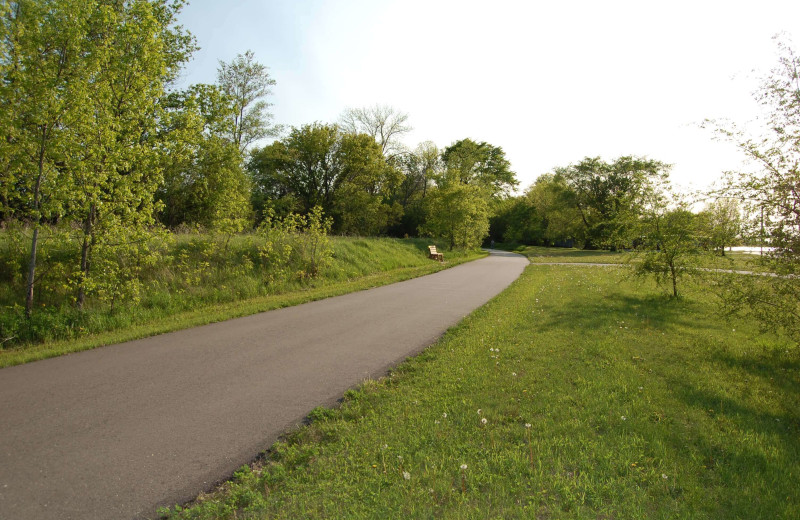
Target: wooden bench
<point>434,254</point>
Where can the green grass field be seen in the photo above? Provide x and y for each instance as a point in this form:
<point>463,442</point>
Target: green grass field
<point>577,393</point>
<point>538,254</point>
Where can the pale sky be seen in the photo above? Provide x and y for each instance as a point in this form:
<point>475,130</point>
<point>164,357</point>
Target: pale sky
<point>550,82</point>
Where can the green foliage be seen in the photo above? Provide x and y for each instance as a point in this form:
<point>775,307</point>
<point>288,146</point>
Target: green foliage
<point>83,92</point>
<point>475,176</point>
<point>721,224</point>
<point>295,245</point>
<point>119,266</point>
<point>555,201</point>
<point>363,188</point>
<point>666,240</point>
<point>302,164</point>
<point>546,214</point>
<point>609,196</point>
<point>514,219</point>
<point>481,164</point>
<point>772,300</point>
<point>317,165</point>
<point>204,182</point>
<point>246,82</point>
<point>418,168</point>
<point>120,166</point>
<point>458,213</point>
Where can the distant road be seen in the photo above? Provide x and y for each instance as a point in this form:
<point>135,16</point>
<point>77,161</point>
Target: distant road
<point>118,431</point>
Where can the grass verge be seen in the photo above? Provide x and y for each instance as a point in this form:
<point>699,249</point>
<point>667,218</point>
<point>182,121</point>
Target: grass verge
<point>359,264</point>
<point>573,394</point>
<point>538,254</point>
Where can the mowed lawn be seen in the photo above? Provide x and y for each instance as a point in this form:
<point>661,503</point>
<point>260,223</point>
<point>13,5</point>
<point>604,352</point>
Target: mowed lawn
<point>579,392</point>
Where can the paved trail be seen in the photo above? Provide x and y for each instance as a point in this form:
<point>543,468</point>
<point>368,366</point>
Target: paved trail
<point>118,431</point>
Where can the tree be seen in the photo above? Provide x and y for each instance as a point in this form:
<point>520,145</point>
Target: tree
<point>516,220</point>
<point>344,174</point>
<point>204,182</point>
<point>609,196</point>
<point>246,82</point>
<point>382,122</point>
<point>474,176</point>
<point>775,190</point>
<point>270,194</point>
<point>721,224</point>
<point>555,201</point>
<point>665,238</point>
<point>419,168</point>
<point>544,215</point>
<point>480,164</point>
<point>8,177</point>
<point>82,82</point>
<point>135,51</point>
<point>459,213</point>
<point>363,188</point>
<point>43,93</point>
<point>304,164</point>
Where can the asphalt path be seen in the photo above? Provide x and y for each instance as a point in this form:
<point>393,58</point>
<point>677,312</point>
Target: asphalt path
<point>119,431</point>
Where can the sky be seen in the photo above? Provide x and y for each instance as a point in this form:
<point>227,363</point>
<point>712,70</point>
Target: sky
<point>549,82</point>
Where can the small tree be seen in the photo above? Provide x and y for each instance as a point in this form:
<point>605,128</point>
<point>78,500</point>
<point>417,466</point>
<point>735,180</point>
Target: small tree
<point>295,246</point>
<point>135,52</point>
<point>665,238</point>
<point>43,93</point>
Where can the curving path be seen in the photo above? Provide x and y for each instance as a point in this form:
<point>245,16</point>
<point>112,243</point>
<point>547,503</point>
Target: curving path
<point>118,431</point>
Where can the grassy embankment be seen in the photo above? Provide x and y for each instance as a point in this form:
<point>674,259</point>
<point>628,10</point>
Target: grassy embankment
<point>577,393</point>
<point>201,282</point>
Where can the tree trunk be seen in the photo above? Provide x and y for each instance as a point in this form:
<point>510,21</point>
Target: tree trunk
<point>35,240</point>
<point>84,271</point>
<point>674,280</point>
<point>31,273</point>
<point>88,240</point>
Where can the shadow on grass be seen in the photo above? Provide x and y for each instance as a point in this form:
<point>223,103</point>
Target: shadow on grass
<point>772,368</point>
<point>743,444</point>
<point>784,424</point>
<point>654,311</point>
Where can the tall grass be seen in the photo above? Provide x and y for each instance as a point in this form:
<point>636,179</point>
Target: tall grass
<point>195,271</point>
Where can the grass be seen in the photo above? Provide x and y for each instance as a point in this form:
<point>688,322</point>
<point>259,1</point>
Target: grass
<point>602,398</point>
<point>232,291</point>
<point>538,254</point>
